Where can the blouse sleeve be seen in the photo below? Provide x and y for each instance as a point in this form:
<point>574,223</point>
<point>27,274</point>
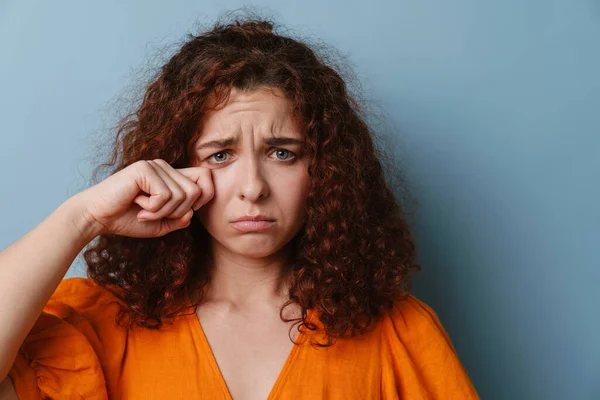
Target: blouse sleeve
<point>74,349</point>
<point>423,360</point>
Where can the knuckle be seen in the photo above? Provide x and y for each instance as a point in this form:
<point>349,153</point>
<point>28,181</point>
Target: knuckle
<point>161,199</point>
<point>179,195</point>
<point>195,191</point>
<point>165,195</point>
<point>153,207</point>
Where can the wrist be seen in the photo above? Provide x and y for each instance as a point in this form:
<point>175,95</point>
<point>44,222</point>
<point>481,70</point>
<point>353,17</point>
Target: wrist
<point>78,214</point>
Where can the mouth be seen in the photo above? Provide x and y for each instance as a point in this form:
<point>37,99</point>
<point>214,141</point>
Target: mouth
<point>252,226</point>
<point>259,217</point>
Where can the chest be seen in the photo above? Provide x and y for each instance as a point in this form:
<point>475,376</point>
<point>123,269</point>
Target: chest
<point>241,360</point>
<point>250,353</point>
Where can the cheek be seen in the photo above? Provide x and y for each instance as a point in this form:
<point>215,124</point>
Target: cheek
<point>297,193</point>
<point>305,183</point>
<point>223,180</point>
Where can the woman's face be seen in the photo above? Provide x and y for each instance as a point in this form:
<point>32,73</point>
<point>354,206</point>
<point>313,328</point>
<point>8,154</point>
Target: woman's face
<point>259,170</point>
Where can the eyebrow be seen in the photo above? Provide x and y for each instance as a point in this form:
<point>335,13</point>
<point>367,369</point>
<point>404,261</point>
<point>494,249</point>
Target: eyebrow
<point>273,141</point>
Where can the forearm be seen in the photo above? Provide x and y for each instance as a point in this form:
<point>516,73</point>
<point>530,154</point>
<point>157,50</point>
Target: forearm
<point>32,268</point>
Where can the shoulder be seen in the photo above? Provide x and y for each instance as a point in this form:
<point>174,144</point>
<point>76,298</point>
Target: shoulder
<point>420,353</point>
<point>415,321</point>
<point>78,290</point>
<point>77,299</point>
<point>74,341</point>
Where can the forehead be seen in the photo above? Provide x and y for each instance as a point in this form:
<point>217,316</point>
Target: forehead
<point>264,109</point>
<point>268,101</point>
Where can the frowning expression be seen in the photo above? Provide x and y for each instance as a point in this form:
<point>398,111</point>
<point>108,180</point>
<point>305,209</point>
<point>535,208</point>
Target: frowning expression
<point>255,152</point>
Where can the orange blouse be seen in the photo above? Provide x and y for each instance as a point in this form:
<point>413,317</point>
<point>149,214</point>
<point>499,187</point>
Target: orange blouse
<point>76,351</point>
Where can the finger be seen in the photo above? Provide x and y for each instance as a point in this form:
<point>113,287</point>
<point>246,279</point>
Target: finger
<point>203,178</point>
<point>192,191</point>
<point>150,182</point>
<point>166,225</point>
<point>177,195</point>
<point>170,225</point>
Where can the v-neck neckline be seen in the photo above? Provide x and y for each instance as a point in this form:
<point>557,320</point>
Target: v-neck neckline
<point>203,339</point>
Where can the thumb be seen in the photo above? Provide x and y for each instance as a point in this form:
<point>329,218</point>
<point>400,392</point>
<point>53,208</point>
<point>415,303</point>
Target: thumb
<point>169,225</point>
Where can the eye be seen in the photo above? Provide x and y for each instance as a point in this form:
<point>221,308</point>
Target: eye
<point>216,154</point>
<point>284,151</point>
<point>280,152</point>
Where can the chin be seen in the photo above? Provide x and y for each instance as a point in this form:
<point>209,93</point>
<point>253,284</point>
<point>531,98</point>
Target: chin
<point>256,248</point>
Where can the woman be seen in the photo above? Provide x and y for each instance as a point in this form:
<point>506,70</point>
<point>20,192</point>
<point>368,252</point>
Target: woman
<point>245,246</point>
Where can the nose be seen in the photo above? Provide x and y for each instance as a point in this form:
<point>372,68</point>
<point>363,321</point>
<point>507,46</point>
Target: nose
<point>252,182</point>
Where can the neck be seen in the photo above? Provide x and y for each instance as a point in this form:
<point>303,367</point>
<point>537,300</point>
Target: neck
<point>240,283</point>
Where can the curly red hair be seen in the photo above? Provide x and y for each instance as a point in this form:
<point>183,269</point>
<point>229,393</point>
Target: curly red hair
<point>355,253</point>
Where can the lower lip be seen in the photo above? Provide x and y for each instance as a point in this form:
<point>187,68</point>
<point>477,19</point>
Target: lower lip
<point>251,226</point>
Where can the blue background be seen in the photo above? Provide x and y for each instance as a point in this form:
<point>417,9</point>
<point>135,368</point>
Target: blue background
<point>495,112</point>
